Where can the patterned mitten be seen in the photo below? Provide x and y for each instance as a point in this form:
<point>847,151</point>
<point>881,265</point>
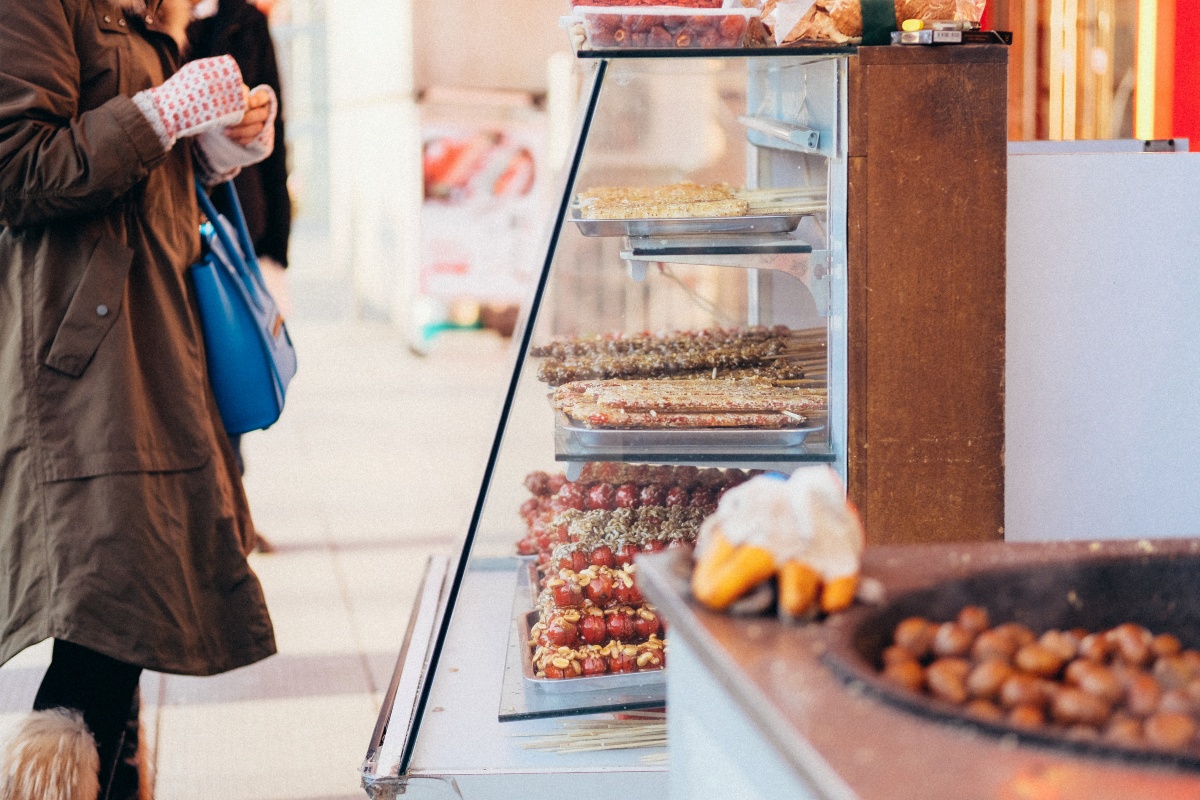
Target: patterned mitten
<point>203,95</point>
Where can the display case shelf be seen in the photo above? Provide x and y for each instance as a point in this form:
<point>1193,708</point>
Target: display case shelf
<point>663,248</point>
<point>813,449</point>
<point>775,252</point>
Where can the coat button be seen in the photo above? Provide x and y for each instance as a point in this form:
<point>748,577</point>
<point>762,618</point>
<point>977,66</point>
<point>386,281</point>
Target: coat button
<point>149,20</point>
<point>107,18</point>
<point>102,310</point>
<point>121,22</point>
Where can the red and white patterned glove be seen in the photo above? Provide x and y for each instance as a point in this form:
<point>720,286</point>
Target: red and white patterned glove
<point>203,95</point>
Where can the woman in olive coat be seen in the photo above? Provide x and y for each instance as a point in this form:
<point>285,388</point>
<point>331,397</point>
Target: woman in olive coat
<point>124,527</point>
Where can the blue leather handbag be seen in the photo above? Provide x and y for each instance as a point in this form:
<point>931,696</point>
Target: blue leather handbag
<point>250,355</point>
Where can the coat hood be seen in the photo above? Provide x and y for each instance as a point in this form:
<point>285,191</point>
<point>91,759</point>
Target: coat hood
<point>175,15</point>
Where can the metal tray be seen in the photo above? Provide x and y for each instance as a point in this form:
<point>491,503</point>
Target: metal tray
<point>591,683</point>
<point>524,618</point>
<point>760,223</point>
<point>696,437</point>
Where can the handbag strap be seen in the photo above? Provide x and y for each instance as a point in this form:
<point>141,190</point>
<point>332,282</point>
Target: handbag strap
<point>243,255</point>
<point>243,229</point>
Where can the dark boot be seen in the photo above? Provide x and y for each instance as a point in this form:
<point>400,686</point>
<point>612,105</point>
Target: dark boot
<point>125,776</point>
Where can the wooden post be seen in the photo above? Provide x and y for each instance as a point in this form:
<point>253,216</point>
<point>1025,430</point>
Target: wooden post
<point>926,271</point>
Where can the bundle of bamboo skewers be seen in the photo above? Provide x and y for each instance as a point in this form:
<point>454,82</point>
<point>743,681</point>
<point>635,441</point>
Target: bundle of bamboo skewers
<point>784,200</point>
<point>631,730</point>
<point>780,356</point>
<point>758,378</point>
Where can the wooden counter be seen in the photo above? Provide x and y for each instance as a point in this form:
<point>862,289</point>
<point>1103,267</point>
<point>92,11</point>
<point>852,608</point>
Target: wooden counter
<point>819,738</point>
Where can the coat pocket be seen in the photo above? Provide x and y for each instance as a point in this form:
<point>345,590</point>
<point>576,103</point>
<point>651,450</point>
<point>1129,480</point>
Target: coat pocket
<point>93,309</point>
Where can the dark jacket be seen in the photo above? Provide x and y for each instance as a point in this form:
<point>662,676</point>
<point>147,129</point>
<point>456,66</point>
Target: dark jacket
<point>123,522</point>
<point>240,30</point>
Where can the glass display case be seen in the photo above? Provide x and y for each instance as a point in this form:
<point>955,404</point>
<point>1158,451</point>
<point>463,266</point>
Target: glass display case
<point>693,324</point>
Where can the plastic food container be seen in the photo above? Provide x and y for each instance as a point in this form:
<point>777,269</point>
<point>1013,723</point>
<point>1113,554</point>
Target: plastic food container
<point>664,26</point>
<point>635,3</point>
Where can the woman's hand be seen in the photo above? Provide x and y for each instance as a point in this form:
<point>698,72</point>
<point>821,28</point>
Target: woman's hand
<point>258,108</point>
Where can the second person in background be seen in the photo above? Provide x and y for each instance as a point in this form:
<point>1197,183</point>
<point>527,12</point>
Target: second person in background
<point>238,28</point>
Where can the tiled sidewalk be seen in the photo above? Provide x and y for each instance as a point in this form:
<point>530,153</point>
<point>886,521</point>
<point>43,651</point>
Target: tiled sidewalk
<point>374,465</point>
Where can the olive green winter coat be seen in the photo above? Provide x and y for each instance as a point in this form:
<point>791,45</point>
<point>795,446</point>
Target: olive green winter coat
<point>123,522</point>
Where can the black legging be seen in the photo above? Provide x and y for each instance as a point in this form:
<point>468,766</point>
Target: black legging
<point>104,691</point>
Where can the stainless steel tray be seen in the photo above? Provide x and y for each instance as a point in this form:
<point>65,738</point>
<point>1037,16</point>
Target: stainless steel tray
<point>760,223</point>
<point>524,618</point>
<point>710,438</point>
<point>591,683</point>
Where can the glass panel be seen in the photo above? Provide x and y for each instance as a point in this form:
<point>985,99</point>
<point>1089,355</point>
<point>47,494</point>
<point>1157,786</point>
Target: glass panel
<point>686,340</point>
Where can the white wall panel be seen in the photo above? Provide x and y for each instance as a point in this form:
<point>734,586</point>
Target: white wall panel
<point>1103,377</point>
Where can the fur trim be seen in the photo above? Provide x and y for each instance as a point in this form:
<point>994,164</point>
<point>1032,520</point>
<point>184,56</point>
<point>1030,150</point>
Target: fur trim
<point>52,756</point>
<point>175,14</point>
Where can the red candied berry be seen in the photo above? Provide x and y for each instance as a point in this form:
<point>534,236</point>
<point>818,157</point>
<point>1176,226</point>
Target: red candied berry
<point>627,593</point>
<point>601,497</point>
<point>646,623</point>
<point>622,661</point>
<point>676,496</point>
<point>653,494</point>
<point>624,554</point>
<point>602,556</point>
<point>572,496</point>
<point>538,483</point>
<point>579,561</point>
<point>600,590</point>
<point>562,633</point>
<point>627,496</point>
<point>527,547</point>
<point>657,659</point>
<point>529,509</point>
<point>594,664</point>
<point>620,626</point>
<point>592,629</point>
<point>557,481</point>
<point>702,498</point>
<point>568,595</point>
